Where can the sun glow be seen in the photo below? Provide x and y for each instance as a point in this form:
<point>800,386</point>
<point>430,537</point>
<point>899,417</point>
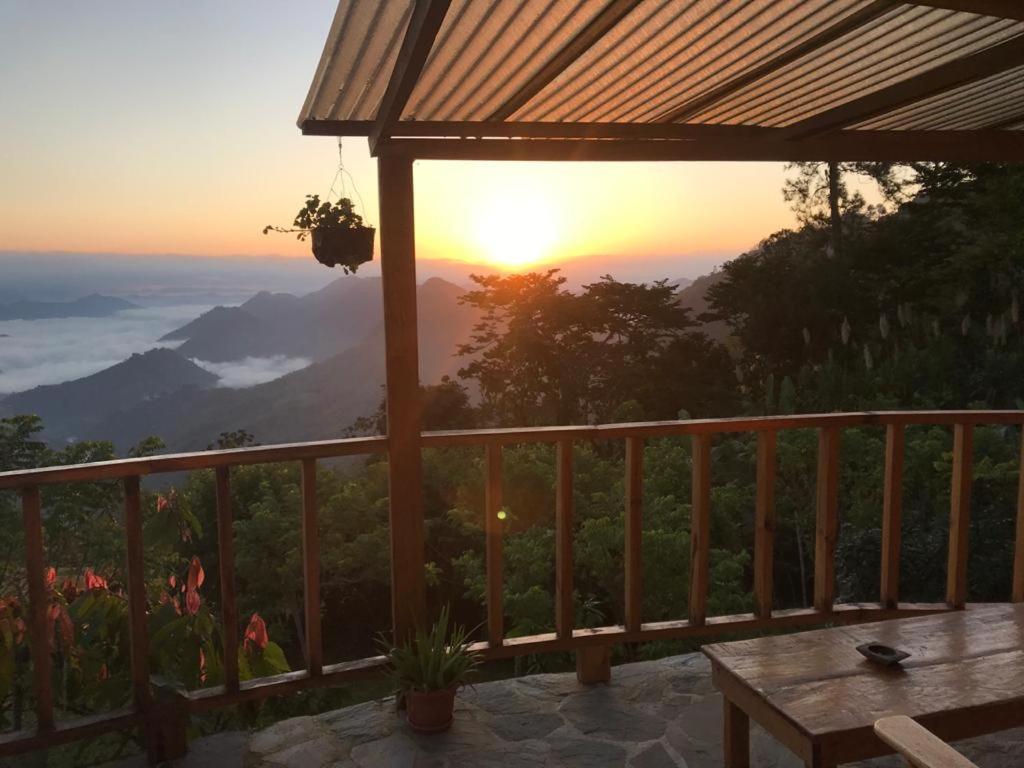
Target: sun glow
<point>514,228</point>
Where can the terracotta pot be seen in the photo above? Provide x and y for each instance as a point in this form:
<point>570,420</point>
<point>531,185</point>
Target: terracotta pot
<point>338,245</point>
<point>431,711</point>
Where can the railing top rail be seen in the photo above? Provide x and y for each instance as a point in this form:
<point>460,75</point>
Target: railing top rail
<point>715,426</point>
<point>182,462</point>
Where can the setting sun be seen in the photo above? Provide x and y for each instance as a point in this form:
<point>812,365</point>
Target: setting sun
<point>513,228</point>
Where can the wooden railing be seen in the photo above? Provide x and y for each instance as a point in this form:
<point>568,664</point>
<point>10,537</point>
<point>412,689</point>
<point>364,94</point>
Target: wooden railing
<point>590,644</point>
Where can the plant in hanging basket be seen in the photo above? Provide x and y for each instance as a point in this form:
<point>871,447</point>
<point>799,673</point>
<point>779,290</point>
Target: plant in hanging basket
<point>428,669</point>
<point>337,232</point>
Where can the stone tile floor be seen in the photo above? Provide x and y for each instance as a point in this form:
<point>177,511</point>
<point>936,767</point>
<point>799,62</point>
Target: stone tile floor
<point>657,714</point>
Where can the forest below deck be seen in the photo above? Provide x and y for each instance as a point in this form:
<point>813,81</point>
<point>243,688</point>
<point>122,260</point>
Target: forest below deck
<point>913,308</point>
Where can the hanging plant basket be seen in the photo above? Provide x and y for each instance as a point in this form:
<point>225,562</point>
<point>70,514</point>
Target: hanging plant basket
<point>347,247</point>
<point>337,232</point>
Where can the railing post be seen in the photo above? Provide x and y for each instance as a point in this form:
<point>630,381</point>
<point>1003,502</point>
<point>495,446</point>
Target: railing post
<point>1018,550</point>
<point>138,639</point>
<point>405,470</point>
<point>493,530</point>
<point>764,525</point>
<point>166,720</point>
<point>311,568</point>
<point>827,519</point>
<point>594,664</point>
<point>564,618</point>
<point>959,516</point>
<point>31,512</point>
<point>226,558</point>
<point>700,529</point>
<point>634,532</point>
<point>892,516</point>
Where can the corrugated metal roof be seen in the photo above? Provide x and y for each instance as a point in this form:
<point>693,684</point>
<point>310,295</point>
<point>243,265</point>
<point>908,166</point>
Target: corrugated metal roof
<point>988,103</point>
<point>758,63</point>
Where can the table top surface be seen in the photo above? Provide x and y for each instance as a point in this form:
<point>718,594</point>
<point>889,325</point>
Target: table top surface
<point>822,684</point>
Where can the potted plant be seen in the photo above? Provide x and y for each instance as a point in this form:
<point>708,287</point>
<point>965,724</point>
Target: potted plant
<point>336,230</point>
<point>428,670</point>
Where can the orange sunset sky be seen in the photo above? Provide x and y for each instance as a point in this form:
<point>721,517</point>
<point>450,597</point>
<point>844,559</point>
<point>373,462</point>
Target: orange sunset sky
<point>170,128</point>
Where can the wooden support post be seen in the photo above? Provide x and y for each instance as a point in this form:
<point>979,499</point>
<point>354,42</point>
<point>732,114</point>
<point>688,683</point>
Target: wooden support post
<point>959,516</point>
<point>405,469</point>
<point>634,532</point>
<point>735,735</point>
<point>311,568</point>
<point>167,726</point>
<point>494,529</point>
<point>226,556</point>
<point>38,604</point>
<point>594,664</point>
<point>892,516</point>
<point>827,522</point>
<point>564,607</point>
<point>1018,550</point>
<point>137,600</point>
<point>700,529</point>
<point>764,525</point>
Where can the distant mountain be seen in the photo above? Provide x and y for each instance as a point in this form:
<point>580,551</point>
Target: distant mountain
<point>93,305</point>
<point>223,333</point>
<point>318,402</point>
<point>693,297</point>
<point>73,409</point>
<point>680,283</point>
<point>317,325</point>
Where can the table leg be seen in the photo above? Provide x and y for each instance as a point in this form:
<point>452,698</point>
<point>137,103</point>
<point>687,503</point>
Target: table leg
<point>817,761</point>
<point>735,736</point>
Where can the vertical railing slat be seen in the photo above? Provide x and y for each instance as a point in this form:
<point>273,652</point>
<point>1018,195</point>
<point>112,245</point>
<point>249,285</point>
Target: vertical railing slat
<point>564,618</point>
<point>311,568</point>
<point>959,516</point>
<point>31,511</point>
<point>1018,550</point>
<point>137,600</point>
<point>892,516</point>
<point>827,519</point>
<point>226,557</point>
<point>634,532</point>
<point>700,529</point>
<point>493,530</point>
<point>764,524</point>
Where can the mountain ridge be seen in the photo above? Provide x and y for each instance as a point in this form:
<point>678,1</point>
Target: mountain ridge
<point>73,408</point>
<point>93,305</point>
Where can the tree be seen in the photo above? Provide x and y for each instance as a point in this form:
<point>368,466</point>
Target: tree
<point>544,355</point>
<point>819,194</point>
<point>529,352</point>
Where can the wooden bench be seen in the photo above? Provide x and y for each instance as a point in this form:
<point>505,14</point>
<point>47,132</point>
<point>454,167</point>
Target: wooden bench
<point>919,746</point>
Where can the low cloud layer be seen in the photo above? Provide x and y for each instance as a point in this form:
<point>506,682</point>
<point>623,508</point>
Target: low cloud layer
<point>35,352</point>
<point>251,371</point>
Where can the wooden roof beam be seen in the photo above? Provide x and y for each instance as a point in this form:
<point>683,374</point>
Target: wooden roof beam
<point>1002,9</point>
<point>425,23</point>
<point>895,146</point>
<point>841,28</point>
<point>614,12</point>
<point>542,130</point>
<point>961,71</point>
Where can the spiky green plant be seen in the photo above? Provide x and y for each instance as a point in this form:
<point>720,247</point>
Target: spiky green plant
<point>434,659</point>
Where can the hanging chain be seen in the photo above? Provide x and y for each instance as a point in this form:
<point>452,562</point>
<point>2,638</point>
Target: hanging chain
<point>339,186</point>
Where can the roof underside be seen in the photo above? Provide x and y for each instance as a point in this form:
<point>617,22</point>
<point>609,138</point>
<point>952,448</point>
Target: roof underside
<point>676,79</point>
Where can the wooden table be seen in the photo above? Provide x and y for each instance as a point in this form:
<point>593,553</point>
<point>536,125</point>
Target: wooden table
<point>817,695</point>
